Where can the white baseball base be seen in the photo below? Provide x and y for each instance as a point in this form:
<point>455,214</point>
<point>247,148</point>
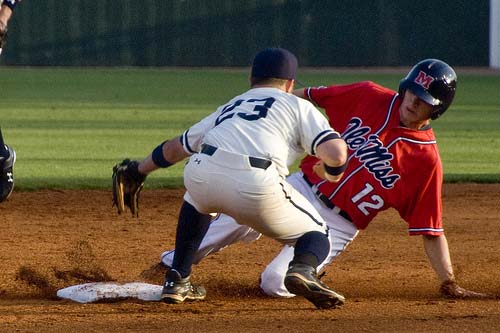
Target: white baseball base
<point>109,291</point>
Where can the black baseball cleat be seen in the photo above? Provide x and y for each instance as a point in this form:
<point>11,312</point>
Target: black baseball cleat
<point>177,289</point>
<point>302,280</point>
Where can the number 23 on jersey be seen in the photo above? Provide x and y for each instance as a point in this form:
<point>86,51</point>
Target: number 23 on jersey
<point>261,106</point>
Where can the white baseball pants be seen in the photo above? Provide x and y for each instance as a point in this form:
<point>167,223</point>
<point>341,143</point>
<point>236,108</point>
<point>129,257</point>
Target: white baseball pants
<point>225,182</point>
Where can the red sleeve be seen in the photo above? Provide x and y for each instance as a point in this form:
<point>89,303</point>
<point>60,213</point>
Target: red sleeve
<point>424,213</point>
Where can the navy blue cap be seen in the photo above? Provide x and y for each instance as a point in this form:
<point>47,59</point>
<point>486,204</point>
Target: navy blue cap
<point>276,63</point>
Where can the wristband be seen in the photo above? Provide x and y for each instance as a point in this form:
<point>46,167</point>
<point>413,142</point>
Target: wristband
<point>335,171</point>
<point>158,157</point>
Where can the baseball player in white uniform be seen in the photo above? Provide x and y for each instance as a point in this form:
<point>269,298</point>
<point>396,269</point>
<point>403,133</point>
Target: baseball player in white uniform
<point>239,159</point>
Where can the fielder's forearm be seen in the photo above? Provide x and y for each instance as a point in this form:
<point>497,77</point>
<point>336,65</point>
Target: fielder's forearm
<point>172,152</point>
<point>334,155</point>
<point>436,248</point>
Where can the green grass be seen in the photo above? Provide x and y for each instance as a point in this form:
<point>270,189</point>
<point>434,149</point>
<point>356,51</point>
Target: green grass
<point>70,126</point>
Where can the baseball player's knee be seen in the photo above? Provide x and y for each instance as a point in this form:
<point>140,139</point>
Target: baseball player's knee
<point>312,248</point>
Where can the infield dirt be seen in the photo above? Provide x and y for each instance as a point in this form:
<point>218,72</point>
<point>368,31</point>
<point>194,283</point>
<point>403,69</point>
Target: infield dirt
<point>53,239</point>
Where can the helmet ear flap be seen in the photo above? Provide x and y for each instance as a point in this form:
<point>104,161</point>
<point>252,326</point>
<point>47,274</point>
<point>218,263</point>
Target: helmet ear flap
<point>437,112</point>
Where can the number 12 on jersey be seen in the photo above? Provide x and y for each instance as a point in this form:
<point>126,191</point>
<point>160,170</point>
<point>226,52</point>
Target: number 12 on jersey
<point>374,201</point>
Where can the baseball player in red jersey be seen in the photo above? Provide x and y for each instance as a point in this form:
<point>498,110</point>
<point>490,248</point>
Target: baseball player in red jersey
<point>388,164</point>
<point>393,162</point>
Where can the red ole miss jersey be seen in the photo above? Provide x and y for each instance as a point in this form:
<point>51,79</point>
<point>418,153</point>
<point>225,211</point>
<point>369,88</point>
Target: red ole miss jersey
<point>389,165</point>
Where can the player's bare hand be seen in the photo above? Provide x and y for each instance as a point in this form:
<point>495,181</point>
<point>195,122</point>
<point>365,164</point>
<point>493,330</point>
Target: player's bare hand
<point>319,169</point>
<point>450,288</point>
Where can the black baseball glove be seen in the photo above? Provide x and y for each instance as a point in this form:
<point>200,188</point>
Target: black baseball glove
<point>7,160</point>
<point>127,185</point>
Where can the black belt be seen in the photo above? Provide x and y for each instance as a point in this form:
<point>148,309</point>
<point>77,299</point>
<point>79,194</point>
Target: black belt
<point>327,201</point>
<point>254,161</point>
